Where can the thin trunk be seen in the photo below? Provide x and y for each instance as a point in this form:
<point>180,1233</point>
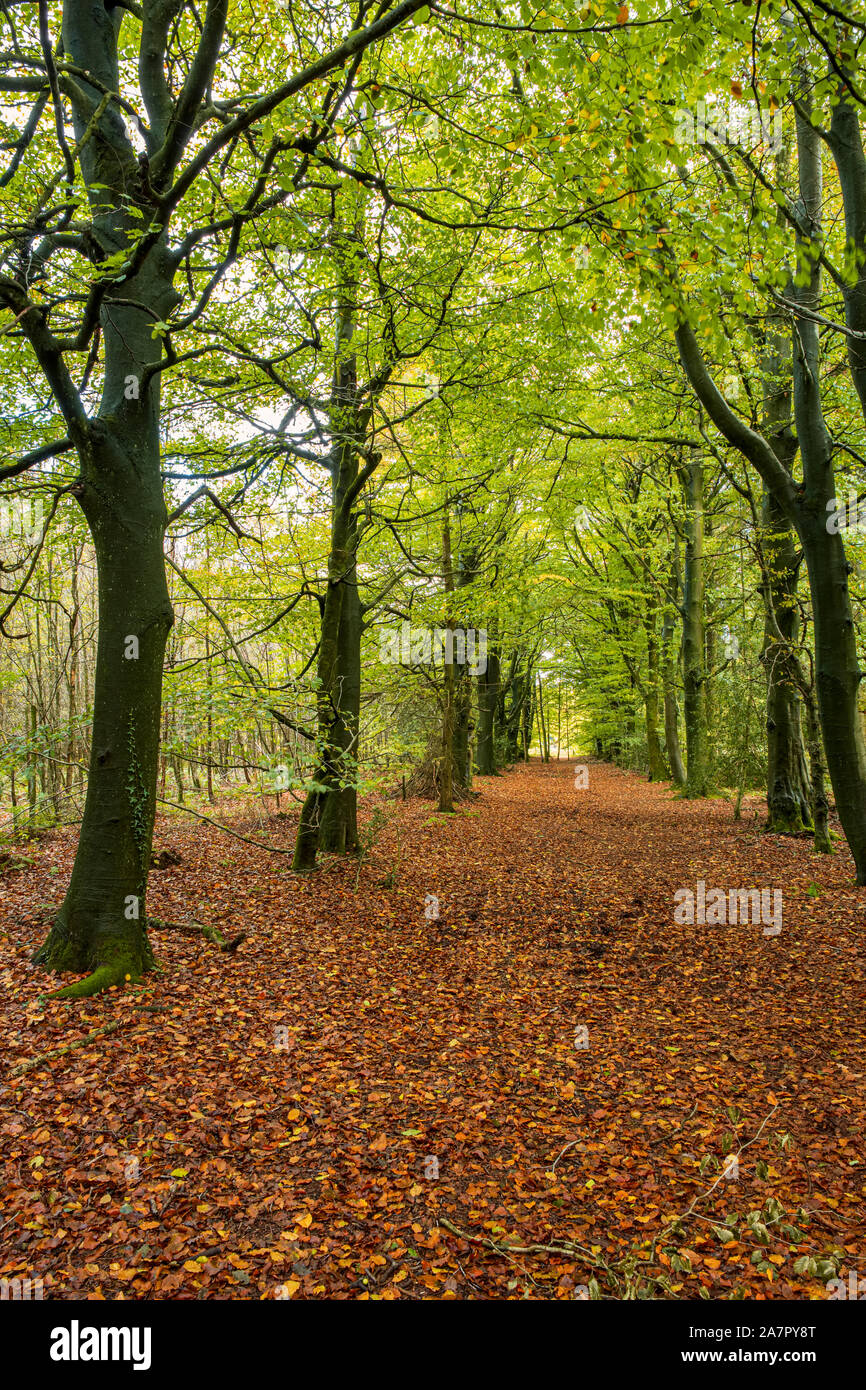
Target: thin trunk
<point>657,769</point>
<point>545,744</point>
<point>446,766</point>
<point>339,826</point>
<point>332,799</point>
<point>818,804</point>
<point>694,669</point>
<point>488,700</point>
<point>32,763</point>
<point>669,676</point>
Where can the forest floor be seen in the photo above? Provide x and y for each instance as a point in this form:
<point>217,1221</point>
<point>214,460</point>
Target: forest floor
<point>553,1062</point>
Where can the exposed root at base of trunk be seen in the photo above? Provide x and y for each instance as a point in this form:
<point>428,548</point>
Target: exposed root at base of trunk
<point>102,978</point>
<point>111,960</point>
<point>793,825</point>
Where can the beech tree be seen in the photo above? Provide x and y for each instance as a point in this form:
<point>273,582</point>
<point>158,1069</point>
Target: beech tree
<point>809,505</point>
<point>132,112</point>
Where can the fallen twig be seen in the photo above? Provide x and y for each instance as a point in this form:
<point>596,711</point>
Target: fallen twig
<point>211,934</point>
<point>567,1248</point>
<point>69,1047</point>
<point>259,844</point>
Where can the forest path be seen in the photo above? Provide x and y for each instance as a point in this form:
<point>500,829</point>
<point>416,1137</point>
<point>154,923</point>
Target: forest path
<point>438,1068</point>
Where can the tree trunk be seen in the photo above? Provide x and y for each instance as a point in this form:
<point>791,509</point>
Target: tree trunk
<point>464,572</point>
<point>32,766</point>
<point>339,826</point>
<point>657,769</point>
<point>818,804</point>
<point>544,739</point>
<point>488,699</point>
<point>519,688</point>
<point>334,772</point>
<point>788,788</point>
<point>837,675</point>
<point>72,673</point>
<point>694,670</point>
<point>528,719</point>
<point>101,926</point>
<point>331,803</point>
<point>837,680</point>
<point>446,766</point>
<point>789,792</point>
<point>669,678</point>
<point>463,728</point>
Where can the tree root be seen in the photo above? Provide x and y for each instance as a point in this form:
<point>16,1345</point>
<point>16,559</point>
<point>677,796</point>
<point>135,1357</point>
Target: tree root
<point>69,1047</point>
<point>122,970</point>
<point>210,934</point>
<point>102,978</point>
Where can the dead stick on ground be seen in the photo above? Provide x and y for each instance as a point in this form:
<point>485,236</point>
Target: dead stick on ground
<point>259,844</point>
<point>79,1042</point>
<point>210,934</point>
<point>568,1248</point>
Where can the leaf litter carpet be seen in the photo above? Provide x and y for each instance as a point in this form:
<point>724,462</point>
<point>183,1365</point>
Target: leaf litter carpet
<point>550,1090</point>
